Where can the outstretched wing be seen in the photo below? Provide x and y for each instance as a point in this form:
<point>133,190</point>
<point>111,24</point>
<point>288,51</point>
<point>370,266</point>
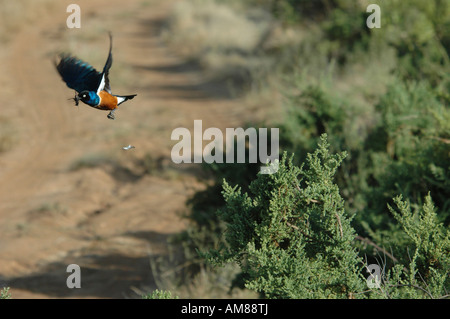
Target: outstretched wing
<point>81,76</point>
<point>77,74</point>
<point>104,83</point>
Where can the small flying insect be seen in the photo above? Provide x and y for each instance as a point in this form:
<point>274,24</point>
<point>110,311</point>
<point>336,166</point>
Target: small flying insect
<point>129,147</point>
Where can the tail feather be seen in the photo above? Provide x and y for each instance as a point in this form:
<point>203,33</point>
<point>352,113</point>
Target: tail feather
<point>123,98</point>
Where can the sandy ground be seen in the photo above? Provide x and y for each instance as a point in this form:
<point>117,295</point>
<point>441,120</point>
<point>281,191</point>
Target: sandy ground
<point>112,216</point>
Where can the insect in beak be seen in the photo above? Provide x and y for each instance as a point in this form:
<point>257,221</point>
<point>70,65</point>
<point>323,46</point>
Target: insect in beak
<point>76,99</point>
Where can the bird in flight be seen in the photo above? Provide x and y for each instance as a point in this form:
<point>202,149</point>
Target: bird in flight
<point>92,87</point>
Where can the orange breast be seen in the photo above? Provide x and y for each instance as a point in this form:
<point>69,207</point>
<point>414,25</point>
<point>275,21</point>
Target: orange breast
<point>107,101</point>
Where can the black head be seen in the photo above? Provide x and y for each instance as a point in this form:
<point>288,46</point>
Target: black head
<point>83,96</point>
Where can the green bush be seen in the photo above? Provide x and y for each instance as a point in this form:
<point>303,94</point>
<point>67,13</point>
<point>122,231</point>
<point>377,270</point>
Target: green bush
<point>411,153</point>
<point>292,238</point>
<point>427,274</point>
<point>4,293</point>
<point>403,150</point>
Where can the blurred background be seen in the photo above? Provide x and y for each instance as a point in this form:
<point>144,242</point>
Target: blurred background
<point>132,220</point>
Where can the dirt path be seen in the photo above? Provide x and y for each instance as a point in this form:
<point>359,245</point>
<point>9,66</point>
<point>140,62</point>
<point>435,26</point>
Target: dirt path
<point>68,192</point>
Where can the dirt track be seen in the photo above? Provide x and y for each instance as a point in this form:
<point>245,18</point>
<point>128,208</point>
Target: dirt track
<point>108,217</point>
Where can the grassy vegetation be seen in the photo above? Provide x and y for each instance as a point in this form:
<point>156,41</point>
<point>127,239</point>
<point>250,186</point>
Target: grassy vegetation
<point>4,293</point>
<point>381,96</point>
<point>227,40</point>
<point>159,294</point>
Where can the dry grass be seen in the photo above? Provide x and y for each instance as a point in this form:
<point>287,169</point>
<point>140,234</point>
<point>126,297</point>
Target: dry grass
<point>208,283</point>
<point>197,26</point>
<point>227,41</point>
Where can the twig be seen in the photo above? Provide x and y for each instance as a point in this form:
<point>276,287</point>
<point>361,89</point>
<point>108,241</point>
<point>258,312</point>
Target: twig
<point>298,229</point>
<point>340,225</point>
<point>298,188</point>
<point>440,139</point>
<point>406,285</point>
<point>371,243</point>
<point>310,199</point>
<point>379,286</point>
<point>415,287</point>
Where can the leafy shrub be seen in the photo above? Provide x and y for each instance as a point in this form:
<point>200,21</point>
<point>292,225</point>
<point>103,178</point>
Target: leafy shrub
<point>431,258</point>
<point>159,294</point>
<point>4,293</point>
<point>293,239</point>
<point>424,273</point>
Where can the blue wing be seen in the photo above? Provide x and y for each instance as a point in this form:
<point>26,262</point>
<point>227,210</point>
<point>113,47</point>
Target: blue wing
<point>81,76</point>
<point>78,75</point>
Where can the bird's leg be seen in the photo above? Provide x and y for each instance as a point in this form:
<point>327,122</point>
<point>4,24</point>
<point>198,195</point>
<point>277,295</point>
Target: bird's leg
<point>111,115</point>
